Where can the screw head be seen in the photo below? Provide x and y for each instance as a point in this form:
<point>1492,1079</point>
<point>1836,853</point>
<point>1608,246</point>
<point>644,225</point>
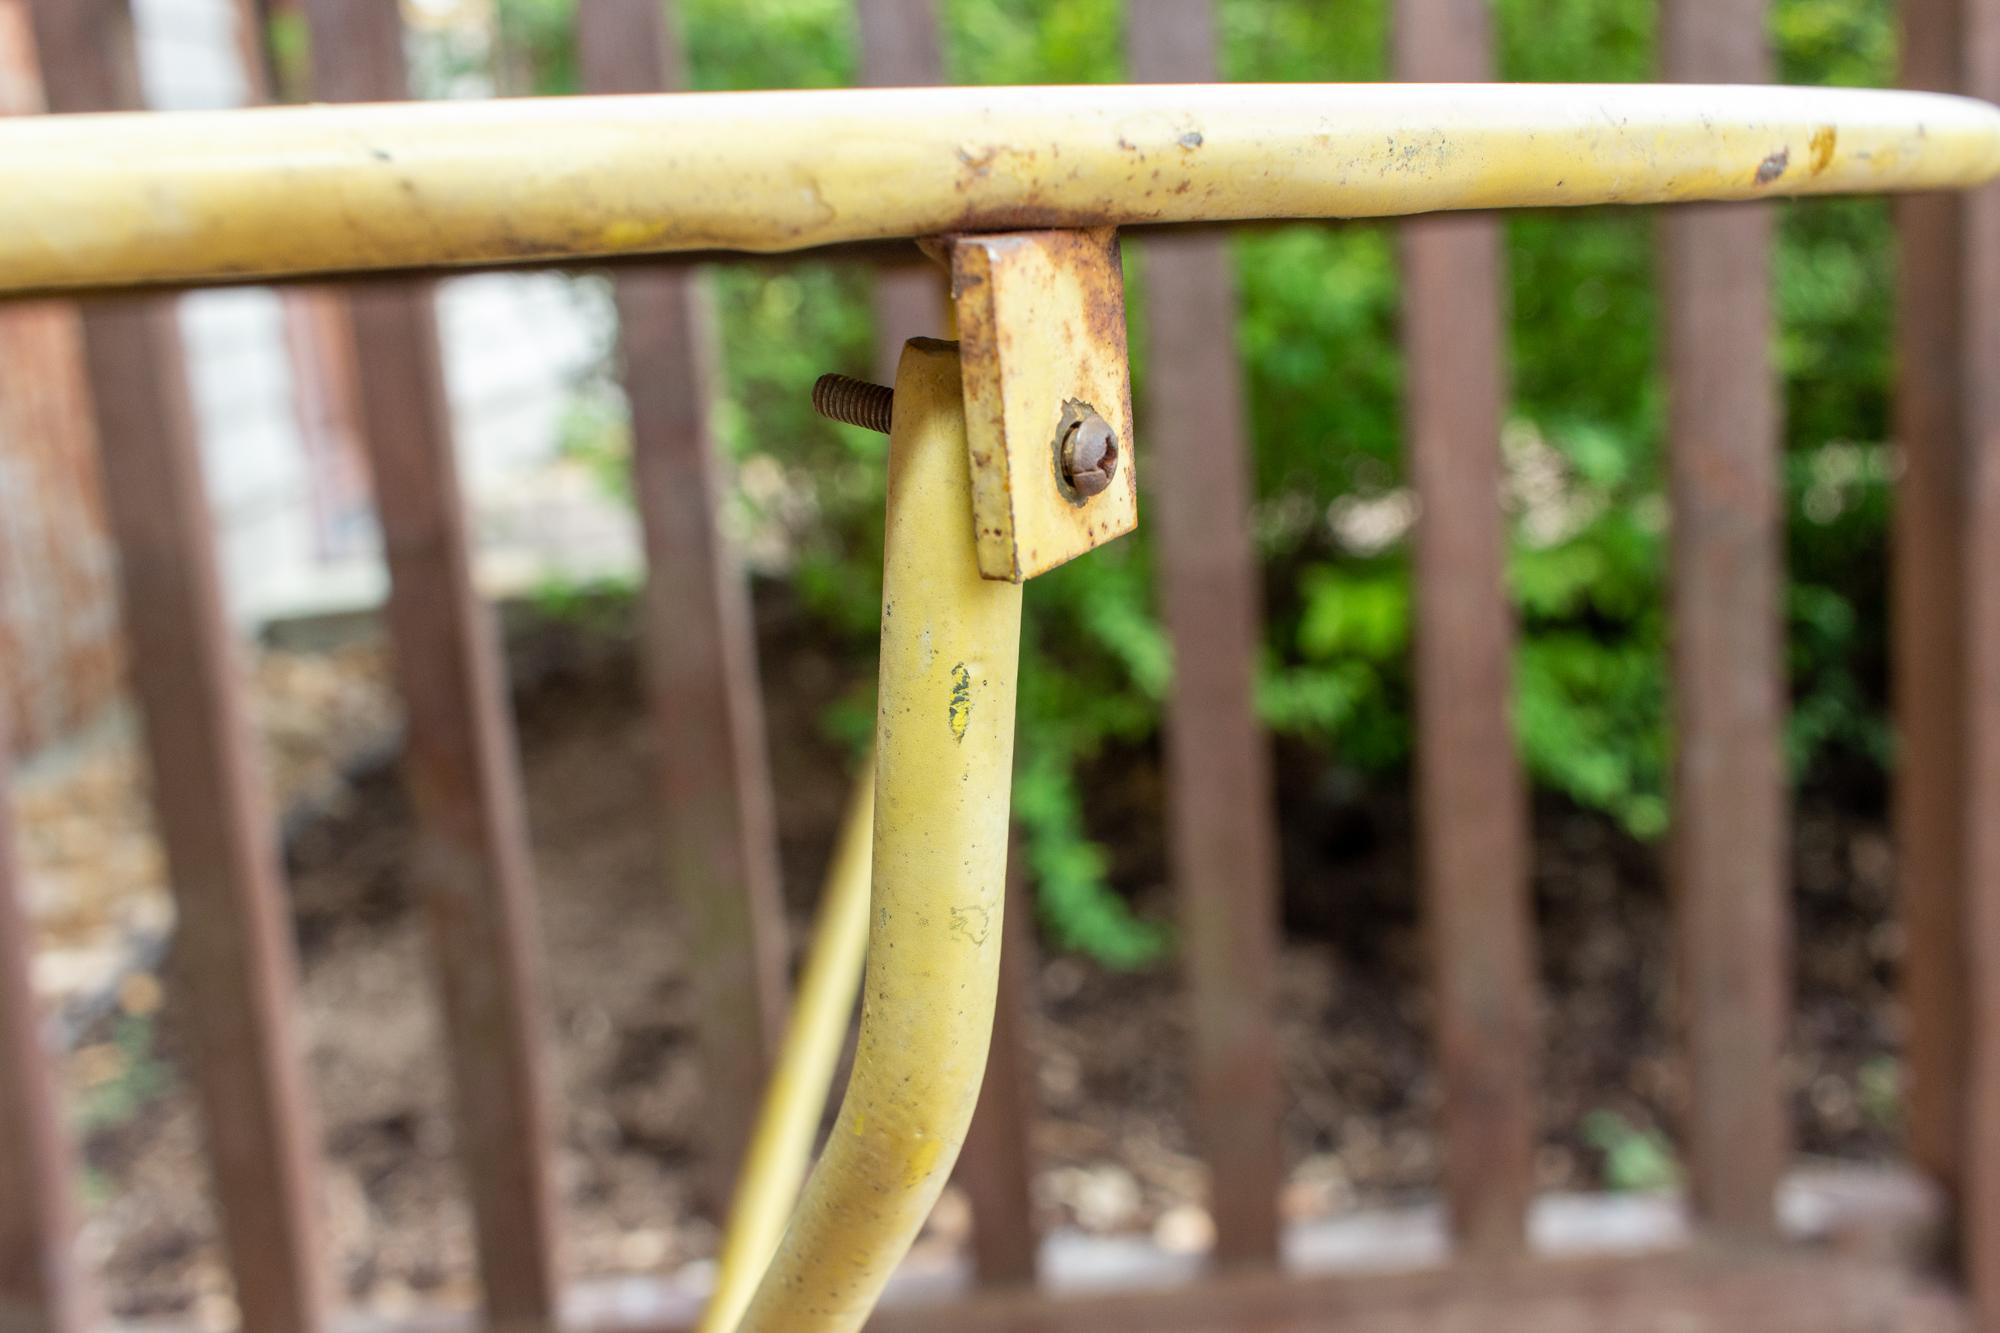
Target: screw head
<point>1090,455</point>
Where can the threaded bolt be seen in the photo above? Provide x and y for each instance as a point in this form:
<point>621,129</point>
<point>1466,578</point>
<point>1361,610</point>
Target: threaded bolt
<point>853,402</point>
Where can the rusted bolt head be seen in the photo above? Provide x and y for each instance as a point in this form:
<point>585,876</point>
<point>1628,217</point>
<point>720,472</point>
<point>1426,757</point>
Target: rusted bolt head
<point>1090,455</point>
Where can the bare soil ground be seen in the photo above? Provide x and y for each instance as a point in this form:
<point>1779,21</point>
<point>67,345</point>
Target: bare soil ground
<point>1113,1137</point>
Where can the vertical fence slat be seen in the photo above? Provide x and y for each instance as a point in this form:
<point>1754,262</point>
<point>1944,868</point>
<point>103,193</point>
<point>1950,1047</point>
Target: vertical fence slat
<point>900,48</point>
<point>1979,361</point>
<point>1729,871</point>
<point>233,951</point>
<point>1946,664</point>
<point>1471,803</point>
<point>234,958</point>
<point>1925,606</point>
<point>1980,1248</point>
<point>702,657</point>
<point>1980,353</point>
<point>39,1288</point>
<point>997,1165</point>
<point>1220,811</point>
<point>471,864</point>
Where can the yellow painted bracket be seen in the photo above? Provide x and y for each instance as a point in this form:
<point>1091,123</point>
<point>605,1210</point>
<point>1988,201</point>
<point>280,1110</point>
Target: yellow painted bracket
<point>1041,323</point>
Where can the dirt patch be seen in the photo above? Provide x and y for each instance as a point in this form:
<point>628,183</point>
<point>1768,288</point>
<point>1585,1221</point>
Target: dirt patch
<point>1113,1137</point>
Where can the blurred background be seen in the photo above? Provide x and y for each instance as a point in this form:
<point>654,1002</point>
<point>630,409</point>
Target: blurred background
<point>542,432</point>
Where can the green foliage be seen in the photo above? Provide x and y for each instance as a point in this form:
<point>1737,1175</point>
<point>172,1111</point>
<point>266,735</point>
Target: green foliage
<point>536,51</point>
<point>1348,679</point>
<point>290,44</point>
<point>769,44</point>
<point>1635,1158</point>
<point>1094,664</point>
<point>1033,41</point>
<point>1317,337</point>
<point>139,1077</point>
<point>600,607</point>
<point>1879,1089</point>
<point>1303,43</point>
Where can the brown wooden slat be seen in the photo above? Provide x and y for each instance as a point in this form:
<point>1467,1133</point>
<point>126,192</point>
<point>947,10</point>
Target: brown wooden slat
<point>59,638</point>
<point>1980,361</point>
<point>1798,1292</point>
<point>717,816</point>
<point>253,53</point>
<point>1220,811</point>
<point>1980,1246</point>
<point>1472,817</point>
<point>1694,1293</point>
<point>233,955</point>
<point>1863,1266</point>
<point>40,1291</point>
<point>471,862</point>
<point>1928,544</point>
<point>997,1165</point>
<point>1946,665</point>
<point>900,48</point>
<point>1729,870</point>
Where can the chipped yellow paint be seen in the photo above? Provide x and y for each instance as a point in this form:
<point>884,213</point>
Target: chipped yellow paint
<point>114,200</point>
<point>958,708</point>
<point>1041,318</point>
<point>940,861</point>
<point>923,1160</point>
<point>795,1100</point>
<point>626,234</point>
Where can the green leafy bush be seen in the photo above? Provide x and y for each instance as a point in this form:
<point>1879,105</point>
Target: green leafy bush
<point>1317,338</point>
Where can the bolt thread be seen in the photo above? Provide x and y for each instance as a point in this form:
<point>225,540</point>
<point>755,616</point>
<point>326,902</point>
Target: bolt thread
<point>854,402</point>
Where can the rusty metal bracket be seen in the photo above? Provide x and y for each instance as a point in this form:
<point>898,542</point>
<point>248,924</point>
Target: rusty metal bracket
<point>1041,326</point>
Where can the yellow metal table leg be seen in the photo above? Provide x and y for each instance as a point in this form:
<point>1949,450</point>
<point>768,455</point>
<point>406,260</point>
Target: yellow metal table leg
<point>944,755</point>
<point>787,1122</point>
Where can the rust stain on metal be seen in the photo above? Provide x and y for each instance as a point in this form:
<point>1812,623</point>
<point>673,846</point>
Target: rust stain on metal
<point>1824,139</point>
<point>1773,166</point>
<point>854,402</point>
<point>1041,319</point>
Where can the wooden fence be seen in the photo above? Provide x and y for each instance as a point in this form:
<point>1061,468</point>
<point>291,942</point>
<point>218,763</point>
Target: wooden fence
<point>237,985</point>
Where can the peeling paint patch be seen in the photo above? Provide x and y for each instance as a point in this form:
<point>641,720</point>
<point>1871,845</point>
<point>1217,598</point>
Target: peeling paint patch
<point>1192,139</point>
<point>971,923</point>
<point>1823,140</point>
<point>624,233</point>
<point>1773,166</point>
<point>978,158</point>
<point>960,709</point>
<point>924,1154</point>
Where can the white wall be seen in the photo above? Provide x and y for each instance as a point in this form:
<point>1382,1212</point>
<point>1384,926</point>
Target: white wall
<point>514,345</point>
